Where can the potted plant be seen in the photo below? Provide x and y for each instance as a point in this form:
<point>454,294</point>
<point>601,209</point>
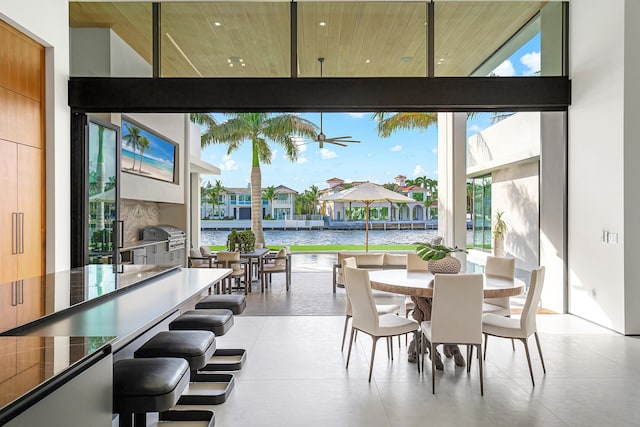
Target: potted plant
<point>499,230</point>
<point>439,257</point>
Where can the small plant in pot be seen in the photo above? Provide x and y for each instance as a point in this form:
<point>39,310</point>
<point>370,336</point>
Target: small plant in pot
<point>500,228</point>
<point>439,257</point>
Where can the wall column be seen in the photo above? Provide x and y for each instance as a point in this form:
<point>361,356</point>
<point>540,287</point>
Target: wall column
<point>452,176</point>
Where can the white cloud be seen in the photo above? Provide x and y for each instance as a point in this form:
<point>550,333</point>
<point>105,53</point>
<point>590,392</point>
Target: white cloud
<point>326,154</point>
<point>532,62</point>
<point>419,171</point>
<point>474,128</point>
<point>369,154</point>
<point>228,164</point>
<point>357,115</point>
<point>396,147</point>
<point>302,160</point>
<point>434,150</point>
<point>505,69</point>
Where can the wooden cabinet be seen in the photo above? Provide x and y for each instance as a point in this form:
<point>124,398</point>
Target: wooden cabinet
<point>22,161</point>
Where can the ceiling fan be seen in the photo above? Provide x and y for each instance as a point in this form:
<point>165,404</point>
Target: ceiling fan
<point>321,138</point>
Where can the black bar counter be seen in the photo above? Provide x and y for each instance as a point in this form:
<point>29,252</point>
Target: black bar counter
<point>56,328</point>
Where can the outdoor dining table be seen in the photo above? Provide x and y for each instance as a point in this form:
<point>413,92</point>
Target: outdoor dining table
<point>257,254</point>
<point>419,286</point>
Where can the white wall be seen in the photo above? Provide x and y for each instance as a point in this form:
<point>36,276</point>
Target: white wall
<point>596,202</point>
<point>48,23</point>
<point>514,139</point>
<point>631,167</point>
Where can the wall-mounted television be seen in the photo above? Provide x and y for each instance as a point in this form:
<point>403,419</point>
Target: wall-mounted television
<point>147,154</point>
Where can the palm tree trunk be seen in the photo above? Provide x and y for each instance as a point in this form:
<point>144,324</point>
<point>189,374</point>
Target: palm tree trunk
<point>256,204</point>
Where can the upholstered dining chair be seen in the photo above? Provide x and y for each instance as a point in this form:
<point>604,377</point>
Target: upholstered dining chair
<point>503,267</point>
<point>196,260</point>
<point>456,317</point>
<point>206,251</point>
<point>522,328</point>
<point>226,259</point>
<point>365,315</point>
<point>380,308</point>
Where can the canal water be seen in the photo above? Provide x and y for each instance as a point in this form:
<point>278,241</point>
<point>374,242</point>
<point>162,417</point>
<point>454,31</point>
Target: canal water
<point>331,237</point>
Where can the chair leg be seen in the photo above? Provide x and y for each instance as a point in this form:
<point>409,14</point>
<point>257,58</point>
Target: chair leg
<point>344,333</point>
<point>526,349</point>
<point>373,355</point>
<point>481,371</point>
<point>484,354</point>
<point>433,367</point>
<point>350,344</point>
<point>513,346</point>
<point>469,354</point>
<point>535,334</point>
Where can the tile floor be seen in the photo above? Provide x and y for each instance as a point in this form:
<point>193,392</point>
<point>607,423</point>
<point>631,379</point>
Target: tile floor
<point>295,372</point>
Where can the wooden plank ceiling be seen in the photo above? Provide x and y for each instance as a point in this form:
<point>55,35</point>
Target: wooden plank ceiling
<point>358,39</point>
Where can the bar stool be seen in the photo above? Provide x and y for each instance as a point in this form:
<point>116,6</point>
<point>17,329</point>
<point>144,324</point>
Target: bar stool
<point>218,321</point>
<point>235,303</point>
<point>147,385</point>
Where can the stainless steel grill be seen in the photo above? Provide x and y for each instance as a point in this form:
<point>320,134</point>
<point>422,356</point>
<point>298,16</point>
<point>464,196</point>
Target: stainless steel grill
<point>176,237</point>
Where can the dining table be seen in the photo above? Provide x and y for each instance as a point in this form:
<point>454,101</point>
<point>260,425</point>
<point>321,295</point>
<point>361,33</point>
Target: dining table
<point>419,286</point>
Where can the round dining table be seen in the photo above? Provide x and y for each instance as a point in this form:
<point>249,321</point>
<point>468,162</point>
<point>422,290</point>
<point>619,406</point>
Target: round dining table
<point>419,286</point>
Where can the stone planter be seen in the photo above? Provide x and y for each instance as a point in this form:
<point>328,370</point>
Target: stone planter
<point>447,265</point>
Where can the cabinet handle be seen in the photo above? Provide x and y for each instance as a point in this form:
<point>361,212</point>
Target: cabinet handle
<point>20,292</point>
<point>14,226</point>
<point>14,293</point>
<point>21,217</point>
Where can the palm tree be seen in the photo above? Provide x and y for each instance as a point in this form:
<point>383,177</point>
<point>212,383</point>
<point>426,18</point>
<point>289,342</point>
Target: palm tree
<point>143,144</point>
<point>391,122</point>
<point>314,195</point>
<point>270,194</point>
<point>216,192</point>
<point>205,193</point>
<point>132,140</point>
<point>260,129</point>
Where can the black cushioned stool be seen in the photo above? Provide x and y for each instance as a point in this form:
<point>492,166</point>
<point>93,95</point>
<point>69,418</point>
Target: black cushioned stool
<point>235,303</point>
<point>218,321</point>
<point>196,348</point>
<point>147,385</point>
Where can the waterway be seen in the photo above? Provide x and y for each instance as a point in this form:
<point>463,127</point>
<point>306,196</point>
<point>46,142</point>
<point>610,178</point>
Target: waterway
<point>331,237</point>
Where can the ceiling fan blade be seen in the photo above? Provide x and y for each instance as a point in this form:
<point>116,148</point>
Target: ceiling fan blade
<point>342,137</point>
<point>343,140</point>
<point>331,141</point>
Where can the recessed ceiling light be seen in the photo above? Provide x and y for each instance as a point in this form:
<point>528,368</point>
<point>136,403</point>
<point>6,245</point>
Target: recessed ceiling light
<point>406,59</point>
<point>367,61</point>
<point>322,23</point>
<point>217,24</point>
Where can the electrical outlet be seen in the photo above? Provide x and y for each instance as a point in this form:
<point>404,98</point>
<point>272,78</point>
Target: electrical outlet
<point>612,238</point>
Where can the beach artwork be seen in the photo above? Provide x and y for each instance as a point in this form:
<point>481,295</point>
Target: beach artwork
<point>146,154</point>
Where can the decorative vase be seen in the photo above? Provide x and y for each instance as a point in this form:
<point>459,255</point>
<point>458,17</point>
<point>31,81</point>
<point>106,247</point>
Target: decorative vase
<point>446,265</point>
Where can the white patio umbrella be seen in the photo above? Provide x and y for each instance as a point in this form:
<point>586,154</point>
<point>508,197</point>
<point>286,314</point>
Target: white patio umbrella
<point>367,193</point>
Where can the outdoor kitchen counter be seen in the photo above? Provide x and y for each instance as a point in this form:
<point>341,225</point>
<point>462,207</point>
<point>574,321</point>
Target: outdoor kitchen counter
<point>137,244</point>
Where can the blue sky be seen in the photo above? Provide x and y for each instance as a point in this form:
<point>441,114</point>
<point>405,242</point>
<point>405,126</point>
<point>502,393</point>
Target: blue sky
<point>409,153</point>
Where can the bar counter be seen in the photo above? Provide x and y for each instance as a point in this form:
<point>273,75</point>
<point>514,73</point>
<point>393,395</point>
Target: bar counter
<point>57,328</point>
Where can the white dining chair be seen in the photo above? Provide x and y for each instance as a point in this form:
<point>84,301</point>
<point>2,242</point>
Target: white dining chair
<point>365,316</point>
<point>520,329</point>
<point>456,317</point>
<point>380,308</point>
<point>503,267</point>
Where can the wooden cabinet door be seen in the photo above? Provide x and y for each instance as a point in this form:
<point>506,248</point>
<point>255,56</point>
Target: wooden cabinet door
<point>30,293</point>
<point>31,260</point>
<point>8,210</point>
